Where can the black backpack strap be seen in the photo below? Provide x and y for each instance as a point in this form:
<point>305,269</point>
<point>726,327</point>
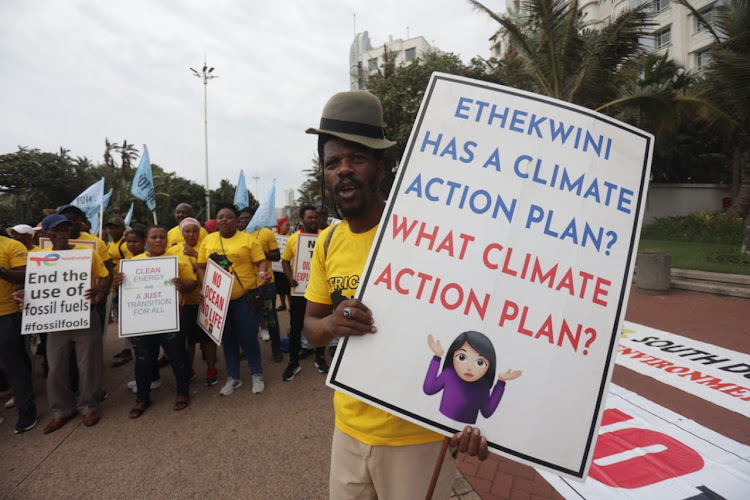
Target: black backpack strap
<point>328,241</point>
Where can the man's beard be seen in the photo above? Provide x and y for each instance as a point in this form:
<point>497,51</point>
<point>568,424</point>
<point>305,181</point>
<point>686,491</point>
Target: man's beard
<point>355,212</point>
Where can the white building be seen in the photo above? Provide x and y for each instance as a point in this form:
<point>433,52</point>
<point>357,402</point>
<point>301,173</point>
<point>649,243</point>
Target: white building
<point>677,30</point>
<point>365,61</point>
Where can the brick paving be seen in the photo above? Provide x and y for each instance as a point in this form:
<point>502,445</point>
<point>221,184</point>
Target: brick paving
<point>721,321</point>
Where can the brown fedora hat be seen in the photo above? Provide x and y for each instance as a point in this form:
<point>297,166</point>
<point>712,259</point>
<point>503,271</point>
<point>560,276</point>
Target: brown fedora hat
<point>355,116</point>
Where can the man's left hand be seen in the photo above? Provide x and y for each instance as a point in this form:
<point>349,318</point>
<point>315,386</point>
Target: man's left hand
<point>471,441</point>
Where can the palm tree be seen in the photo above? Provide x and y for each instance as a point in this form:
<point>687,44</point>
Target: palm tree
<point>108,148</point>
<point>725,96</point>
<point>128,153</point>
<point>561,55</point>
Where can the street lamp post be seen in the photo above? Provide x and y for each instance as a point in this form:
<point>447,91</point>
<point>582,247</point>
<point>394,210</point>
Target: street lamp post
<point>206,75</point>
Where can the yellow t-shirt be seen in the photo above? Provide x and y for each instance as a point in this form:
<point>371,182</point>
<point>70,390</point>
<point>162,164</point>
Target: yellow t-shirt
<point>333,280</point>
<point>290,250</point>
<point>185,270</point>
<point>237,255</point>
<point>12,254</point>
<point>101,247</point>
<point>117,251</point>
<point>191,298</point>
<point>267,241</point>
<point>174,236</point>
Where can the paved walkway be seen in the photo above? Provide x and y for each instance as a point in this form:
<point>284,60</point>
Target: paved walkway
<point>263,446</point>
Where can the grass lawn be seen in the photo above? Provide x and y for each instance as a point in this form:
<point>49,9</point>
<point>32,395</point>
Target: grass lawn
<point>714,257</point>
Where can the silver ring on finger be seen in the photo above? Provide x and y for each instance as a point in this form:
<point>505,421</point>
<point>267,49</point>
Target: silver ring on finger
<point>347,312</point>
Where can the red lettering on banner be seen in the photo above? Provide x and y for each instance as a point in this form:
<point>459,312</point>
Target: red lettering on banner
<point>637,466</point>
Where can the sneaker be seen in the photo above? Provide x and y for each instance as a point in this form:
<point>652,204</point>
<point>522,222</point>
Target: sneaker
<point>321,365</point>
<point>26,420</point>
<point>231,385</point>
<point>264,335</point>
<point>290,371</point>
<point>258,384</point>
<point>211,378</point>
<point>154,385</point>
<point>10,404</point>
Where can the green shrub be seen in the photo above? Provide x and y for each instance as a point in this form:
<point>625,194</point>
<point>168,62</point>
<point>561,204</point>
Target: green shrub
<point>699,227</point>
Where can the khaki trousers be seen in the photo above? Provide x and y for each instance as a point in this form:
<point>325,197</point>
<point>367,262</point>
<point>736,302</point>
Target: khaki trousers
<point>89,354</point>
<point>360,471</point>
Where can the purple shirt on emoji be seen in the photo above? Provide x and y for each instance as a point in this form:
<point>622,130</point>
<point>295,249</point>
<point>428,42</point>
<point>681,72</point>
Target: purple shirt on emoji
<point>462,401</point>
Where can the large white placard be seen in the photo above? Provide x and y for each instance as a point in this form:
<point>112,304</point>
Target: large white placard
<point>54,290</point>
<point>217,290</point>
<point>302,260</point>
<point>713,373</point>
<point>646,451</point>
<point>281,240</point>
<point>149,301</point>
<point>514,217</point>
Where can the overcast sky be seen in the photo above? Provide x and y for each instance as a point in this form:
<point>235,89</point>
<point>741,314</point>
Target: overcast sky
<point>75,72</point>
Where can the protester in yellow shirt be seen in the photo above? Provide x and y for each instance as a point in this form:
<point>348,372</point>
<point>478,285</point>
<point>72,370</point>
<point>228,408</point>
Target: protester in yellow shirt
<point>174,236</point>
<point>147,346</point>
<point>87,343</point>
<point>269,325</point>
<point>243,257</point>
<point>297,304</point>
<point>189,326</point>
<point>15,361</point>
<point>400,455</point>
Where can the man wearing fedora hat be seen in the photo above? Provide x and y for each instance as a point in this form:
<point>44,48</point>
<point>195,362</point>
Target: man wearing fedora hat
<point>374,454</point>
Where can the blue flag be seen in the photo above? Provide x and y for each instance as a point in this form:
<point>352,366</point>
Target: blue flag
<point>265,216</point>
<point>241,198</point>
<point>94,218</point>
<point>143,182</point>
<point>91,199</point>
<point>130,215</point>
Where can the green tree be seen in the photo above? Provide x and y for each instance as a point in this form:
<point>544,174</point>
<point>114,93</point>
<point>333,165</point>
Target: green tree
<point>128,153</point>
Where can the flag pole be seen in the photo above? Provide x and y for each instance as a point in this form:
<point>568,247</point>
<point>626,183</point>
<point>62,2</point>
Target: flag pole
<point>154,214</point>
<point>101,218</point>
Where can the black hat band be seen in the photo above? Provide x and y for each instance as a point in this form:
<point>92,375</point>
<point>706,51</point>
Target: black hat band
<point>347,127</point>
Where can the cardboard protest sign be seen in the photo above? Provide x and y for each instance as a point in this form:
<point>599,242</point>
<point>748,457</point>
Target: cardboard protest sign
<point>498,276</point>
<point>217,289</point>
<point>45,243</point>
<point>149,302</point>
<point>53,297</point>
<point>281,240</point>
<point>302,259</point>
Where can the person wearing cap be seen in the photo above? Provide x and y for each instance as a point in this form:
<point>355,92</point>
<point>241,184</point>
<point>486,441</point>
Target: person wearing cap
<point>87,342</point>
<point>24,234</point>
<point>174,236</point>
<point>373,454</point>
<point>76,217</point>
<point>15,359</point>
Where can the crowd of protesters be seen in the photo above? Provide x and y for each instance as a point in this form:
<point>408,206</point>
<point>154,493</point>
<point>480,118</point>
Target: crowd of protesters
<point>374,454</point>
<point>73,361</point>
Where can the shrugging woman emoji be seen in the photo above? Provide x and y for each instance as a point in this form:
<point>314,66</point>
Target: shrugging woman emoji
<point>467,377</point>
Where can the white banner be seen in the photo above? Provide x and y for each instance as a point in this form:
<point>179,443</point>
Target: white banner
<point>498,276</point>
<point>302,259</point>
<point>149,301</point>
<point>281,239</point>
<point>646,451</point>
<point>53,297</point>
<point>713,373</point>
<point>217,289</point>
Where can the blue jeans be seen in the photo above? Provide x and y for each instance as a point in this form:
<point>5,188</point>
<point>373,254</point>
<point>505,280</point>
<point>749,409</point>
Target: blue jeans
<point>241,328</point>
<point>268,292</point>
<point>147,356</point>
